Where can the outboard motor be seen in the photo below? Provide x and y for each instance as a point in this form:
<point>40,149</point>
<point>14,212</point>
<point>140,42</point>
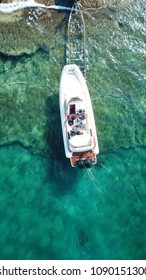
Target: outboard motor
<point>81,164</point>
<point>88,163</point>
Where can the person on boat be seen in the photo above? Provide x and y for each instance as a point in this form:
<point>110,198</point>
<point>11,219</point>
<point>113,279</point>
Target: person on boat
<point>82,117</point>
<point>79,133</point>
<point>73,116</point>
<point>81,124</point>
<point>70,122</point>
<point>70,119</point>
<point>68,116</point>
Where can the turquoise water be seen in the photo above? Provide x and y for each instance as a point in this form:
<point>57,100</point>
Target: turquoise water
<point>48,209</point>
<point>51,211</point>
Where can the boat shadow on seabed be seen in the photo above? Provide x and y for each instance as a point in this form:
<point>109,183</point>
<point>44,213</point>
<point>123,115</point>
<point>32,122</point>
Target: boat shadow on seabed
<point>59,168</point>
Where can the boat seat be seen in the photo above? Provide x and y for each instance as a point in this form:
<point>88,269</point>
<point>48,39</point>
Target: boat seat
<point>80,140</point>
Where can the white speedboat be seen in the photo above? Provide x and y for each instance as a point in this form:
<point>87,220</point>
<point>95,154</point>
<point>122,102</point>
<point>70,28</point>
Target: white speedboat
<point>77,119</point>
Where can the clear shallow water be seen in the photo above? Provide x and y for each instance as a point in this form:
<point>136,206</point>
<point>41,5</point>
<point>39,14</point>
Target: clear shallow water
<point>48,209</point>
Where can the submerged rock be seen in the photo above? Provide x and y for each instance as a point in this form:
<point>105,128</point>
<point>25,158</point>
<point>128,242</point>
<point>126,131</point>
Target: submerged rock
<point>29,102</point>
<point>25,30</point>
<point>33,45</point>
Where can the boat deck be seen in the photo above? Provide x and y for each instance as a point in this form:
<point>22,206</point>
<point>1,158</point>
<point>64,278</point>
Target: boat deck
<point>84,155</point>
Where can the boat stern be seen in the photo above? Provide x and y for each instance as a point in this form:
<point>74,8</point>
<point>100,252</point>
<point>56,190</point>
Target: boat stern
<point>86,159</point>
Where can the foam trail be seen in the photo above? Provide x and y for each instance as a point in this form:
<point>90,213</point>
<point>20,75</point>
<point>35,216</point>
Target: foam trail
<point>15,6</point>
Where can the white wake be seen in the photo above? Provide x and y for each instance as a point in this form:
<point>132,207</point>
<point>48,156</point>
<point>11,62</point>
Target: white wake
<point>19,5</point>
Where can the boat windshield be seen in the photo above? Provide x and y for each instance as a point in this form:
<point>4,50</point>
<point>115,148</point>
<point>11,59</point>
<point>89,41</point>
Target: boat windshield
<point>75,99</point>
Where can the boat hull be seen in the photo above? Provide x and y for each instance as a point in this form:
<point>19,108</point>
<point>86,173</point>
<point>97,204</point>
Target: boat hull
<point>80,143</point>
